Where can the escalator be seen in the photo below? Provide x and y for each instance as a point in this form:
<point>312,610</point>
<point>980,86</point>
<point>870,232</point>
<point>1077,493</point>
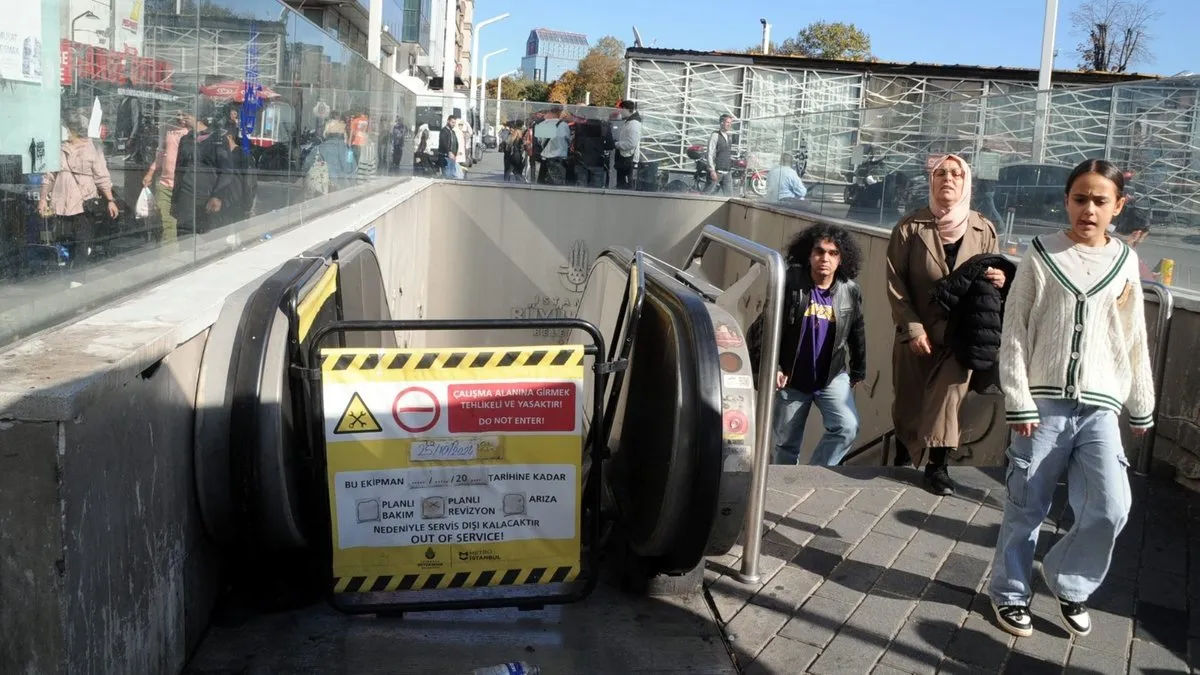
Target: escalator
<point>677,418</point>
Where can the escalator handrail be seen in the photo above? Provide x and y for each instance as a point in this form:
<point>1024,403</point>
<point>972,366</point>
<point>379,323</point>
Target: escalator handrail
<point>1162,333</point>
<point>773,312</point>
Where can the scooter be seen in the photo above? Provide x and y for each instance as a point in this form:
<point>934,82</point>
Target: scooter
<point>740,174</point>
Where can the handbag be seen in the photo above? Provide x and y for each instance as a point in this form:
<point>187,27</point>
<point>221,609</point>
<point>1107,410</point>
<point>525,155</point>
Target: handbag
<point>95,208</point>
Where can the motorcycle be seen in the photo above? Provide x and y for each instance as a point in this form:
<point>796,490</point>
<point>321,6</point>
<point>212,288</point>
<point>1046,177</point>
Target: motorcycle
<point>861,179</point>
<point>740,174</point>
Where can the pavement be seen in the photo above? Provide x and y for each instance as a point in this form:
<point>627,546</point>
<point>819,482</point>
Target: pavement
<point>863,572</point>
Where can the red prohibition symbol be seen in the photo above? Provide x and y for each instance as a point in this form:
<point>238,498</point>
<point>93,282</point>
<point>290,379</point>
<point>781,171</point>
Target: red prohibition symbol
<point>416,410</point>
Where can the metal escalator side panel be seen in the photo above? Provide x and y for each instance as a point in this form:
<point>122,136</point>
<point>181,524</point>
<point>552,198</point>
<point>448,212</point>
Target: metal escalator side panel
<point>363,293</point>
<point>738,431</point>
<point>261,364</point>
<point>666,468</point>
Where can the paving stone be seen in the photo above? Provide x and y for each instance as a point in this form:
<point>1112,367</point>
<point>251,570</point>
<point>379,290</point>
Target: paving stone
<point>1115,595</point>
<point>979,644</point>
<point>979,539</point>
<point>900,583</point>
<point>951,518</point>
<point>1024,663</point>
<point>1125,563</point>
<point>1161,589</point>
<point>1110,634</point>
<point>1092,662</point>
<point>753,627</point>
<point>907,514</point>
<point>1170,558</point>
<point>849,582</point>
<point>887,670</point>
<point>875,502</point>
<point>782,655</point>
<point>961,572</point>
<point>778,505</point>
<point>824,503</point>
<point>878,549</point>
<point>817,621</point>
<point>787,590</point>
<point>1150,658</point>
<point>1165,626</point>
<point>821,555</point>
<point>851,526</point>
<point>924,554</point>
<point>944,604</point>
<point>881,615</point>
<point>729,595</point>
<point>919,646</point>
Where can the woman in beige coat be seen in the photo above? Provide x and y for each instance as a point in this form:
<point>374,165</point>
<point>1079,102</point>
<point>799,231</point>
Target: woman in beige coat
<point>928,382</point>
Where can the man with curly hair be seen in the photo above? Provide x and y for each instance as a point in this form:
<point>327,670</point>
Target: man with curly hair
<point>823,347</point>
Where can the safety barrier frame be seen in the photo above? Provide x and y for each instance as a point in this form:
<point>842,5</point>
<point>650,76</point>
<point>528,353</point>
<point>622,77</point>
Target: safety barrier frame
<point>591,497</point>
<point>1158,361</point>
<point>765,404</point>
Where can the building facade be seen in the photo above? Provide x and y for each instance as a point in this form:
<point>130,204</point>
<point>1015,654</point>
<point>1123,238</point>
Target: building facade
<point>838,112</point>
<point>550,53</point>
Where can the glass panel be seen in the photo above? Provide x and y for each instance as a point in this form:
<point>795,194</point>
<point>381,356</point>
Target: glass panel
<point>198,126</point>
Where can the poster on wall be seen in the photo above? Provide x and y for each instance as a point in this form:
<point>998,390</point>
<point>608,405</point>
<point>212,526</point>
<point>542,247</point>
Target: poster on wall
<point>21,42</point>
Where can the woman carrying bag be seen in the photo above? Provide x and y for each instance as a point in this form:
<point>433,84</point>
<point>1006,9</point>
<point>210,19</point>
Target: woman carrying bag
<point>80,194</point>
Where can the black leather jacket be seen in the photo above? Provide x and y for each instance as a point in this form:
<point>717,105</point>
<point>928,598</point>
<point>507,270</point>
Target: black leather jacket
<point>849,333</point>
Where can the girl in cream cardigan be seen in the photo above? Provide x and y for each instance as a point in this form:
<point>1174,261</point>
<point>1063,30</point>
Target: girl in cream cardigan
<point>1073,354</point>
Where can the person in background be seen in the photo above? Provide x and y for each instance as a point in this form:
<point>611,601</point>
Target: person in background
<point>1073,353</point>
<point>338,157</point>
<point>368,161</point>
<point>422,153</point>
<point>448,147</point>
<point>205,180</point>
<point>462,134</point>
<point>928,381</point>
<point>399,135</point>
<point>357,127</point>
<point>628,143</point>
<point>823,345</point>
<point>552,139</point>
<point>720,158</point>
<point>84,176</point>
<point>164,166</point>
<point>783,183</point>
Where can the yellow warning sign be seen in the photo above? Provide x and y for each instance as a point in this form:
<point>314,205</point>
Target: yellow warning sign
<point>357,419</point>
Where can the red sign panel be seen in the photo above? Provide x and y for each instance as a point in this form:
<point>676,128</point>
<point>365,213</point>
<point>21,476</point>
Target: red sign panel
<point>511,407</point>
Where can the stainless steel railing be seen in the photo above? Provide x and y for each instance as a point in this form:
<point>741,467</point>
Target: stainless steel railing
<point>1158,361</point>
<point>760,256</point>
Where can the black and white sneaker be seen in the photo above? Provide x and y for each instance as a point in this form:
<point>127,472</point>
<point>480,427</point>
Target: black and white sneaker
<point>1014,619</point>
<point>1075,617</point>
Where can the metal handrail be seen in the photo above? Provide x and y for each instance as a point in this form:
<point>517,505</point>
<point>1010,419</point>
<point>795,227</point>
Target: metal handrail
<point>773,312</point>
<point>1162,331</point>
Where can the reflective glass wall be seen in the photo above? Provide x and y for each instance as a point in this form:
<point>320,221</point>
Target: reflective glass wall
<point>867,165</point>
<point>142,137</point>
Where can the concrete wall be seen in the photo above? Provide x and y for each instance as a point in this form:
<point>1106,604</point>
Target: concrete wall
<point>104,564</point>
<point>500,252</point>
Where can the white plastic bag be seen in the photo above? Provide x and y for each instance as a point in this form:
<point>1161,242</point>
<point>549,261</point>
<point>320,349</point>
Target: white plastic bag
<point>145,203</point>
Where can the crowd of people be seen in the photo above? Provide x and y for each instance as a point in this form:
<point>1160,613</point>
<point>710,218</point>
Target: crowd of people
<point>1061,335</point>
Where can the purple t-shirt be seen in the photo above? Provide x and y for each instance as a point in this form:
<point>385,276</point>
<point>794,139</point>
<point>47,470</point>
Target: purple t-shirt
<point>815,350</point>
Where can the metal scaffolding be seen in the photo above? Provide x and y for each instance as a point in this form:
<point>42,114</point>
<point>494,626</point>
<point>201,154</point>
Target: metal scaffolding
<point>1150,127</point>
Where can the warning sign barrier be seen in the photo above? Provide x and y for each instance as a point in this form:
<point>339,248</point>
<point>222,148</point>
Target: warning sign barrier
<point>453,468</point>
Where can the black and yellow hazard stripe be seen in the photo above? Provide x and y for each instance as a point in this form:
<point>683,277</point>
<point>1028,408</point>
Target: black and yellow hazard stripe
<point>310,305</point>
<point>414,360</point>
<point>426,582</point>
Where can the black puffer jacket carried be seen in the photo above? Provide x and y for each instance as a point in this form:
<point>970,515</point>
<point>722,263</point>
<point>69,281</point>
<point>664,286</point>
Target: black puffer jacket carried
<point>976,310</point>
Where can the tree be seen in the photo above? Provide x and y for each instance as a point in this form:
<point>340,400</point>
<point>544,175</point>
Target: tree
<point>602,72</point>
<point>520,90</point>
<point>825,40</point>
<point>1115,34</point>
<point>610,47</point>
<point>565,88</point>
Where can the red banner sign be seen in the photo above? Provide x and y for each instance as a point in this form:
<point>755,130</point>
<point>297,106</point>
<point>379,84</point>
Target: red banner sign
<point>88,63</point>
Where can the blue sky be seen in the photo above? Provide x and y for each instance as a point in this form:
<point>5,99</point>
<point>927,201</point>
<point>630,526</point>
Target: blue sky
<point>989,33</point>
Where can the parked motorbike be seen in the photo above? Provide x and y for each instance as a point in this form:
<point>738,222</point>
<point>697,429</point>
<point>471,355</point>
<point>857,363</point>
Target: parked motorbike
<point>741,175</point>
<point>862,177</point>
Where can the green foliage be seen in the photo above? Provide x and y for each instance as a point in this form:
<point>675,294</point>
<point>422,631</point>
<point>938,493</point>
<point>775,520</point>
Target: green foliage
<point>828,40</point>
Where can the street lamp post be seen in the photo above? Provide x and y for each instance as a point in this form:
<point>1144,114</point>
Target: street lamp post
<point>89,14</point>
<point>1042,114</point>
<point>500,96</point>
<point>475,50</point>
<point>483,83</point>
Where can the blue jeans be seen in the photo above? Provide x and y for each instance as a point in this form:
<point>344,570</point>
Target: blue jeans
<point>1083,440</point>
<point>451,168</point>
<point>836,403</point>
